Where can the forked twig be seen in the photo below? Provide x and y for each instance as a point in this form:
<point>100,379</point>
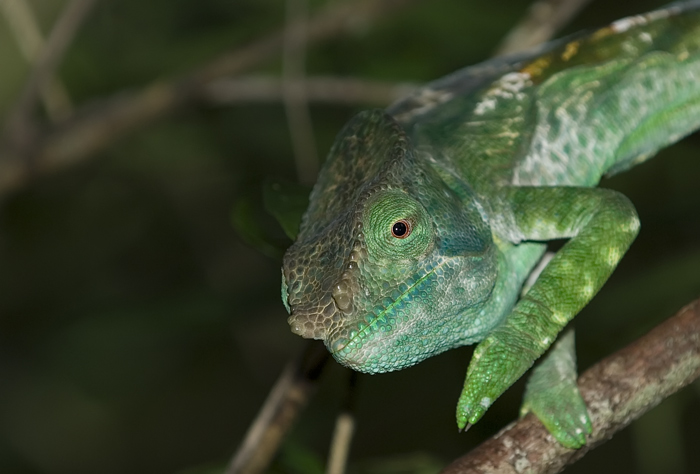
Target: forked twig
<point>96,126</point>
<point>19,130</point>
<point>30,41</point>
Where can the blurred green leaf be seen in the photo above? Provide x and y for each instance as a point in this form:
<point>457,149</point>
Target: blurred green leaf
<point>298,459</point>
<point>243,218</point>
<point>205,469</point>
<point>287,202</point>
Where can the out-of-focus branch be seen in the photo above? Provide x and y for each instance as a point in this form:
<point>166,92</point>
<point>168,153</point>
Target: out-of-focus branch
<point>340,446</point>
<point>19,130</point>
<point>543,20</point>
<point>286,399</point>
<point>30,41</point>
<point>344,430</point>
<point>335,19</point>
<point>95,127</point>
<point>295,102</point>
<point>328,90</point>
<point>617,390</point>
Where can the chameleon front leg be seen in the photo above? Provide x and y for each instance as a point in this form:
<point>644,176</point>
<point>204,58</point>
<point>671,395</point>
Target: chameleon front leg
<point>601,224</point>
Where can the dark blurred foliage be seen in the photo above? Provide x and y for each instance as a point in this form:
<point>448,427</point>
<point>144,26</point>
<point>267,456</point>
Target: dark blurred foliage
<point>139,334</point>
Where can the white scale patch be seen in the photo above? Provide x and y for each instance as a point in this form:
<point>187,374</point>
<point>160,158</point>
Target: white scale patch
<point>428,99</point>
<point>557,129</point>
<point>577,137</point>
<point>620,26</point>
<point>485,402</point>
<point>508,87</point>
<point>646,37</point>
<point>614,256</point>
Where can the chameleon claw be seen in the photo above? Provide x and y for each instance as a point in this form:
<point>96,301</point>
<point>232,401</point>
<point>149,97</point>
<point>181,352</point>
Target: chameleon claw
<point>466,428</point>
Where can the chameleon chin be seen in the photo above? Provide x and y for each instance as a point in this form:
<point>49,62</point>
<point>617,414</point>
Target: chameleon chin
<point>428,218</point>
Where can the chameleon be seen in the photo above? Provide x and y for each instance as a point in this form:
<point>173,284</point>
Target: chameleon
<point>428,226</point>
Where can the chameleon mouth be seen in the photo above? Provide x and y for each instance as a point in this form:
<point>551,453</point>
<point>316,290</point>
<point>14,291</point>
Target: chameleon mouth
<point>385,319</point>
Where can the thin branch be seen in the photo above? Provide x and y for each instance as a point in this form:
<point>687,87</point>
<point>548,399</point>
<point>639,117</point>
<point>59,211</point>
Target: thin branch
<point>295,101</point>
<point>617,390</point>
<point>335,19</point>
<point>543,20</point>
<point>340,446</point>
<point>328,90</point>
<point>344,430</point>
<point>30,41</point>
<point>286,399</point>
<point>19,127</point>
<point>96,127</point>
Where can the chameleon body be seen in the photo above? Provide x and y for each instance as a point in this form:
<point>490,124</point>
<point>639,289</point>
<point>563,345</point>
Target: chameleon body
<point>428,218</point>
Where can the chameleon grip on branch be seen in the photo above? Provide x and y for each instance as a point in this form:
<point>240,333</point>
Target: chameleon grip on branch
<point>428,218</point>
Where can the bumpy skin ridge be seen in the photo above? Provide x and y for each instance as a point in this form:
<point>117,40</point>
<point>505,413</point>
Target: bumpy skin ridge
<point>481,168</point>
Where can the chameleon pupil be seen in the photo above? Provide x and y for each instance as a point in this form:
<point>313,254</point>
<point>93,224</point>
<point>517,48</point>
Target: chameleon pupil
<point>401,229</point>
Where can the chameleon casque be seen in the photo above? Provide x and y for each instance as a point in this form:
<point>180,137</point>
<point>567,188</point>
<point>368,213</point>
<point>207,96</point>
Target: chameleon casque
<point>429,218</point>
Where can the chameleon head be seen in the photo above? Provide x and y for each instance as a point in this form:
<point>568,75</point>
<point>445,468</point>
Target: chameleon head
<point>389,257</point>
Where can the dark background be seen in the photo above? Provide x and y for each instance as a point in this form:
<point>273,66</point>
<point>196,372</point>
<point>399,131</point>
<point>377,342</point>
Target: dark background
<point>140,334</point>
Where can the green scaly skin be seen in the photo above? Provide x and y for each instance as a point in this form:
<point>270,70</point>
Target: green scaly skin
<point>483,167</point>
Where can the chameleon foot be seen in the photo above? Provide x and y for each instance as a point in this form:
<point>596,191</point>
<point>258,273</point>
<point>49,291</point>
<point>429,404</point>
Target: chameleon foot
<point>495,366</point>
<point>553,396</point>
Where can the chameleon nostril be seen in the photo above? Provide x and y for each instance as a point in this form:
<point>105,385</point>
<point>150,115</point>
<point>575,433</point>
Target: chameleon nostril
<point>342,296</point>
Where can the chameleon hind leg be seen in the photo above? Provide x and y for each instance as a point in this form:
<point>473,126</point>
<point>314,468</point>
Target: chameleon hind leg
<point>553,396</point>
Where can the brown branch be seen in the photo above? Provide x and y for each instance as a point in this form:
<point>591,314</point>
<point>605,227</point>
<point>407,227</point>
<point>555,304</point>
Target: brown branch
<point>344,430</point>
<point>617,390</point>
<point>286,399</point>
<point>30,41</point>
<point>98,126</point>
<point>20,131</point>
<point>328,90</point>
<point>295,101</point>
<point>543,20</point>
<point>340,444</point>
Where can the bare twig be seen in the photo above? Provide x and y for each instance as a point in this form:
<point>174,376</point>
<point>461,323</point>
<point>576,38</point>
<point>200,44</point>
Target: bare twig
<point>335,19</point>
<point>95,127</point>
<point>295,101</point>
<point>617,390</point>
<point>19,128</point>
<point>543,20</point>
<point>30,41</point>
<point>340,447</point>
<point>344,430</point>
<point>289,395</point>
<point>329,90</point>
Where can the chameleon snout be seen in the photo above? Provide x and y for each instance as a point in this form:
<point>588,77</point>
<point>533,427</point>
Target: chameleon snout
<point>314,317</point>
<point>312,320</point>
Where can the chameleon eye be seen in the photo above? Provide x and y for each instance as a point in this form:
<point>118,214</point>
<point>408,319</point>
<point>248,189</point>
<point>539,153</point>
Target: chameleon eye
<point>401,229</point>
<point>396,227</point>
